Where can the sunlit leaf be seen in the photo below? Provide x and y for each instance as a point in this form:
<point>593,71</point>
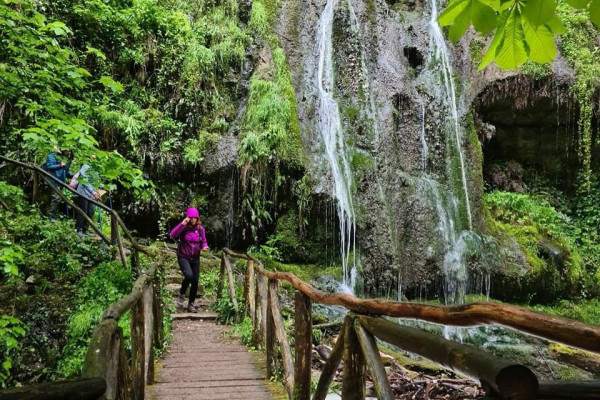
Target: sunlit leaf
<point>539,12</point>
<point>594,11</point>
<point>542,47</point>
<point>555,25</point>
<point>511,52</point>
<point>452,11</point>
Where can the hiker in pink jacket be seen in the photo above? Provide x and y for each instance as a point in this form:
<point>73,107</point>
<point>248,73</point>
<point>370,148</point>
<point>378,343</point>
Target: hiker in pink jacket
<point>192,240</point>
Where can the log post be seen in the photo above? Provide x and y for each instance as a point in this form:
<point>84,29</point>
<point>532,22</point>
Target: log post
<point>221,276</point>
<point>114,230</point>
<point>158,319</point>
<point>303,346</point>
<point>249,289</point>
<point>353,384</point>
<point>331,365</point>
<point>124,374</point>
<point>503,378</point>
<point>231,285</point>
<point>147,299</point>
<point>261,309</point>
<point>286,352</point>
<point>36,185</point>
<point>102,357</point>
<point>269,334</point>
<point>138,351</point>
<point>374,363</point>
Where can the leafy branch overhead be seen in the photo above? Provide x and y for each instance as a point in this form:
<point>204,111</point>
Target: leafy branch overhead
<point>525,29</point>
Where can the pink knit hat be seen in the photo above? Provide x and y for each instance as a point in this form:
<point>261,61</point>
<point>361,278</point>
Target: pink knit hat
<point>192,212</point>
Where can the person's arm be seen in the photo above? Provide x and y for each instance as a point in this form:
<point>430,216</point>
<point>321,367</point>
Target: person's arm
<point>52,163</point>
<point>68,173</point>
<point>203,238</point>
<point>175,232</point>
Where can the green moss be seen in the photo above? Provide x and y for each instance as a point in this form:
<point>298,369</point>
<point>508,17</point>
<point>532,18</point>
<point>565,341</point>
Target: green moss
<point>580,49</point>
<point>536,70</point>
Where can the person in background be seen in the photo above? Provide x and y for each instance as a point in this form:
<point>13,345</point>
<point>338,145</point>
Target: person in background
<point>192,240</point>
<point>87,178</point>
<point>58,168</point>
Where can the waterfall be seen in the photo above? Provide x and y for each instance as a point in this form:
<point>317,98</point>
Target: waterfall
<point>330,127</point>
<point>438,46</point>
<point>425,148</point>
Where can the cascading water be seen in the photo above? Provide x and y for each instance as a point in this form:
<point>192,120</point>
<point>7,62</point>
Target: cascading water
<point>447,206</point>
<point>330,126</point>
<point>439,49</point>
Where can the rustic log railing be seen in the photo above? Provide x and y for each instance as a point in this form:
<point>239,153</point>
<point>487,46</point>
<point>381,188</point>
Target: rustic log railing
<point>357,347</point>
<point>107,373</point>
<point>116,223</point>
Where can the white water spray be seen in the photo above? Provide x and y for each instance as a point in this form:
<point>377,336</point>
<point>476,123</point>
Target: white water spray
<point>438,45</point>
<point>335,148</point>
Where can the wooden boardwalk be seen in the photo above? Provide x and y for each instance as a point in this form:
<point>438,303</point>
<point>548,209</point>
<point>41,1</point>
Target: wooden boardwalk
<point>203,363</point>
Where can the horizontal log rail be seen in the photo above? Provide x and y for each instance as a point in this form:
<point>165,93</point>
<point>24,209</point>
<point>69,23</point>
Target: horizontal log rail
<point>80,389</point>
<point>357,348</point>
<point>116,220</point>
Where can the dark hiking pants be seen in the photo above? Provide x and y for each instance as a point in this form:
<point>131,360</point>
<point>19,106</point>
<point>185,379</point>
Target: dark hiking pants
<point>189,268</point>
<point>80,223</point>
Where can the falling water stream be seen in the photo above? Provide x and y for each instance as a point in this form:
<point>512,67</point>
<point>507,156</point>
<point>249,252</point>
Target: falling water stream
<point>330,126</point>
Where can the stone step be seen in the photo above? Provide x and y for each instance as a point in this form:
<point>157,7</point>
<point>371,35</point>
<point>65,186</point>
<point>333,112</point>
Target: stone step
<point>200,315</point>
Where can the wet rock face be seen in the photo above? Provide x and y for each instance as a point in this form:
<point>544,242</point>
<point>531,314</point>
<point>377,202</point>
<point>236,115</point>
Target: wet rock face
<point>389,114</point>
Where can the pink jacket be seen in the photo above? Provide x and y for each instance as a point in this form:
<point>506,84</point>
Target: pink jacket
<point>192,239</point>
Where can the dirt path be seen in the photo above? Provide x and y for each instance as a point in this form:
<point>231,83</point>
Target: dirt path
<point>203,363</point>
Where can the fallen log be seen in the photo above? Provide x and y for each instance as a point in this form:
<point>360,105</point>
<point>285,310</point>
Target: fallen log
<point>80,389</point>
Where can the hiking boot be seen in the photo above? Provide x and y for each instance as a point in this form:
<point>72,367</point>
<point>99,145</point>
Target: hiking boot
<point>192,309</point>
<point>180,300</point>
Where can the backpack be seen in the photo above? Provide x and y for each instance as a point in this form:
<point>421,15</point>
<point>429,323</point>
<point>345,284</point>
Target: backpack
<point>73,182</point>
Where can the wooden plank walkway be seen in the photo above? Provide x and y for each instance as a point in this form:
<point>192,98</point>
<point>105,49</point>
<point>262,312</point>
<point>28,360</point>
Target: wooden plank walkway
<point>202,363</point>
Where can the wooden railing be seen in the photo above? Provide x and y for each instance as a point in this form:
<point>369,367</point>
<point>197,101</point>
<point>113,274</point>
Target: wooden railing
<point>357,347</point>
<point>116,223</point>
<point>106,357</point>
<point>107,373</point>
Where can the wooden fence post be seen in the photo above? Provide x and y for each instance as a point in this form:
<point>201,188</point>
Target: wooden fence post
<point>231,285</point>
<point>221,276</point>
<point>286,352</point>
<point>125,390</point>
<point>102,357</point>
<point>114,230</point>
<point>147,299</point>
<point>270,339</point>
<point>331,365</point>
<point>249,289</point>
<point>303,346</point>
<point>353,384</point>
<point>261,309</point>
<point>138,350</point>
<point>376,368</point>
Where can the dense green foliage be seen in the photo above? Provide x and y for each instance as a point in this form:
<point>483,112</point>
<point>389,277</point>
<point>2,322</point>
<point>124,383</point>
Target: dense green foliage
<point>524,29</point>
<point>557,234</point>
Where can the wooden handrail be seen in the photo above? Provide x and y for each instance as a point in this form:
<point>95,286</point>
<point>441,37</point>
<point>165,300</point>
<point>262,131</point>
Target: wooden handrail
<point>106,357</point>
<point>51,178</point>
<point>358,349</point>
<point>558,329</point>
<point>78,389</point>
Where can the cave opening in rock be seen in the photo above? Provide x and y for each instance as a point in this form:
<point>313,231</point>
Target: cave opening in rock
<point>526,128</point>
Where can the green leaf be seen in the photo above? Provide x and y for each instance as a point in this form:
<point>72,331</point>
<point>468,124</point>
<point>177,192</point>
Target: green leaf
<point>579,4</point>
<point>460,26</point>
<point>111,84</point>
<point>539,12</point>
<point>483,17</point>
<point>452,11</point>
<point>511,52</point>
<point>555,25</point>
<point>96,52</point>
<point>542,47</point>
<point>594,11</point>
<point>490,54</point>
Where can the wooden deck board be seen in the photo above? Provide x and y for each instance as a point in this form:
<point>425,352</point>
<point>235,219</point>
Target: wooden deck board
<point>202,363</point>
